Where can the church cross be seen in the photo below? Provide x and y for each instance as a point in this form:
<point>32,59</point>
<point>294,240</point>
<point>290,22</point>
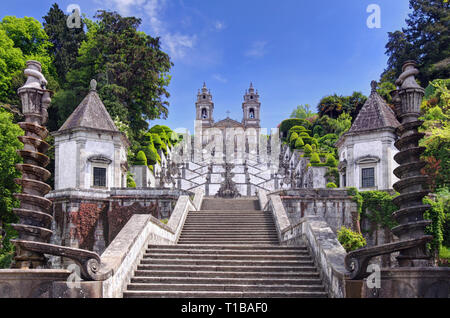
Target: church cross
<point>228,113</point>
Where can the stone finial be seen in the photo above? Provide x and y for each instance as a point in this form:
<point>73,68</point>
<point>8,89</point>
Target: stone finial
<point>93,85</point>
<point>374,85</point>
<point>204,85</point>
<point>35,79</point>
<point>407,78</point>
<point>251,85</point>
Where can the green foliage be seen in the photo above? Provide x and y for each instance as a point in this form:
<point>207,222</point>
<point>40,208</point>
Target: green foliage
<point>303,112</point>
<point>333,105</point>
<point>314,158</point>
<point>289,123</point>
<point>157,142</point>
<point>444,253</point>
<point>350,240</point>
<point>141,159</point>
<point>438,218</point>
<point>293,139</point>
<point>332,175</point>
<point>299,143</point>
<point>22,39</point>
<point>331,161</point>
<point>356,197</point>
<point>130,180</point>
<point>378,207</point>
<point>331,185</point>
<point>436,114</point>
<point>423,40</point>
<point>66,42</point>
<point>130,68</point>
<point>8,158</point>
<point>308,150</point>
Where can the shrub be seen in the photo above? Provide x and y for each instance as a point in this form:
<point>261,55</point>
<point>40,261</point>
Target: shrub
<point>293,139</point>
<point>331,161</point>
<point>130,181</point>
<point>331,185</point>
<point>314,158</point>
<point>350,240</point>
<point>308,149</point>
<point>141,159</point>
<point>289,123</point>
<point>157,142</point>
<point>299,143</point>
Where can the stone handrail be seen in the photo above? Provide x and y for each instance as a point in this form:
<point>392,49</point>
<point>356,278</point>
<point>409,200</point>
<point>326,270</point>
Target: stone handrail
<point>328,253</point>
<point>125,251</point>
<point>262,197</point>
<point>279,214</point>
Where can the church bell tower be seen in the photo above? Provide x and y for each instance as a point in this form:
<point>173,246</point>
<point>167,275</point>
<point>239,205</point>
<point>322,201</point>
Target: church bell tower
<point>251,108</point>
<point>204,107</point>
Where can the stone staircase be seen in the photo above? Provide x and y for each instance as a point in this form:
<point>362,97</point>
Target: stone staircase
<point>229,249</point>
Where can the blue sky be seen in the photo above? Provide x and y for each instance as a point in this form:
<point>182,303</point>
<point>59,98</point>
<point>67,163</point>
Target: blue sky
<point>294,51</point>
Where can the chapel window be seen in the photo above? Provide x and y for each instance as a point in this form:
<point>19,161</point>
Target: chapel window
<point>368,177</point>
<point>99,177</point>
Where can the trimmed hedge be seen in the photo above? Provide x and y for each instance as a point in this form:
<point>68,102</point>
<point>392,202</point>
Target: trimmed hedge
<point>141,159</point>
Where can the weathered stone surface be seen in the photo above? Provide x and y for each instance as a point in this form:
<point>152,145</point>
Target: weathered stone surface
<point>419,282</point>
<point>30,283</point>
<point>328,253</point>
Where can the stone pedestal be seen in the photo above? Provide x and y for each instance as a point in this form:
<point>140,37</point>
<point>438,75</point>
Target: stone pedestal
<point>411,282</point>
<point>30,283</point>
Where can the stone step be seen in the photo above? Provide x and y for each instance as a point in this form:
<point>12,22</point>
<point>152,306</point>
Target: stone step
<point>223,287</point>
<point>229,223</point>
<point>167,256</point>
<point>198,234</point>
<point>230,204</point>
<point>228,268</point>
<point>229,274</point>
<point>227,241</point>
<point>200,251</point>
<point>248,247</point>
<point>228,281</point>
<point>222,294</point>
<point>226,262</point>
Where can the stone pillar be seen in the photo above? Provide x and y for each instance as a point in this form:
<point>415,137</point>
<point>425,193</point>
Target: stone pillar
<point>385,166</point>
<point>80,176</point>
<point>351,182</point>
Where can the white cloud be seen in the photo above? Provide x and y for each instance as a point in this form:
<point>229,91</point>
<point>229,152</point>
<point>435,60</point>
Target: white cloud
<point>219,25</point>
<point>178,44</point>
<point>257,49</point>
<point>220,78</point>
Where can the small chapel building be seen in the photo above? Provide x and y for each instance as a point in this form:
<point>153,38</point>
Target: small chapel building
<point>90,152</point>
<point>366,152</point>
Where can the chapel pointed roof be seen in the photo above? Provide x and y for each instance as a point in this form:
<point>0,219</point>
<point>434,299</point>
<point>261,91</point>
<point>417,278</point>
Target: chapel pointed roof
<point>375,114</point>
<point>91,113</point>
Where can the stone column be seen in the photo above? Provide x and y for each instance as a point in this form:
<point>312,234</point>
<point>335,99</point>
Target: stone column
<point>351,182</point>
<point>385,166</point>
<point>80,176</point>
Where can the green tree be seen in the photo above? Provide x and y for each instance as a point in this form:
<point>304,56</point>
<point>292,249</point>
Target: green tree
<point>8,158</point>
<point>130,68</point>
<point>66,41</point>
<point>303,112</point>
<point>426,39</point>
<point>29,42</point>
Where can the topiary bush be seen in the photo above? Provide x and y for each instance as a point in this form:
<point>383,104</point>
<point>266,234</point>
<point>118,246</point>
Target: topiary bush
<point>130,181</point>
<point>331,185</point>
<point>299,144</point>
<point>315,158</point>
<point>293,139</point>
<point>308,150</point>
<point>350,240</point>
<point>157,142</point>
<point>141,159</point>
<point>331,161</point>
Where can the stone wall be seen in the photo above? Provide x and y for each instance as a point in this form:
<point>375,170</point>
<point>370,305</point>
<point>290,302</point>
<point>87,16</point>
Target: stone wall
<point>90,219</point>
<point>334,205</point>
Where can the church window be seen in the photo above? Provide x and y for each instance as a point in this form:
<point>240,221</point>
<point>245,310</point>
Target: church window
<point>368,177</point>
<point>251,97</point>
<point>204,96</point>
<point>99,177</point>
<point>204,113</point>
<point>252,113</point>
